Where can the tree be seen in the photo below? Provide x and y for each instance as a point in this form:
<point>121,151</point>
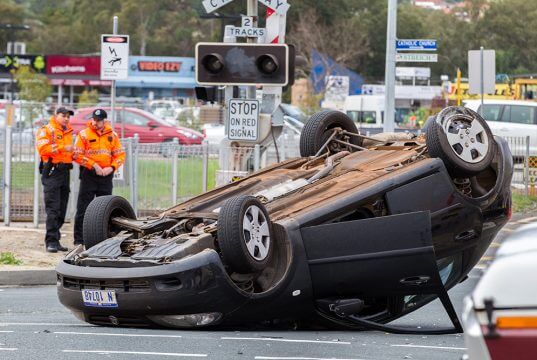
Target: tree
<point>32,86</point>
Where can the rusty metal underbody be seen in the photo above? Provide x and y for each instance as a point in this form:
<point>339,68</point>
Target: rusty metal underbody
<point>349,171</point>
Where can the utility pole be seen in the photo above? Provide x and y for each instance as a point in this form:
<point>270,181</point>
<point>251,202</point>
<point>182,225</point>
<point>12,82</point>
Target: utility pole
<point>113,89</point>
<point>11,38</point>
<point>389,76</point>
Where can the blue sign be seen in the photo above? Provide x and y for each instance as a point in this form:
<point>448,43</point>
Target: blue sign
<point>416,44</point>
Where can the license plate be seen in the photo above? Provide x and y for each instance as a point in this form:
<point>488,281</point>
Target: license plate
<point>99,298</point>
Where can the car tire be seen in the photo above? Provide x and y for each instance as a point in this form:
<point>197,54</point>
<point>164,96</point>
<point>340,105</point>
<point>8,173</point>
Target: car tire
<point>318,130</point>
<point>246,242</point>
<point>97,227</point>
<point>462,139</point>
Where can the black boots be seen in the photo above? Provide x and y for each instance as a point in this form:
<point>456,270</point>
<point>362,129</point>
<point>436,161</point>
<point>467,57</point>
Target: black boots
<point>54,247</point>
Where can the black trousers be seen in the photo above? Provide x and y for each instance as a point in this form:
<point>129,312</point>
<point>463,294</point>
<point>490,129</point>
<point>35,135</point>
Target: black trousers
<point>91,185</point>
<point>56,194</point>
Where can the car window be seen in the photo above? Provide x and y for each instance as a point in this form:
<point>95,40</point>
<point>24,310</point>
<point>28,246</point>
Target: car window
<point>492,112</point>
<point>506,114</point>
<point>522,114</point>
<point>135,119</point>
<point>368,117</point>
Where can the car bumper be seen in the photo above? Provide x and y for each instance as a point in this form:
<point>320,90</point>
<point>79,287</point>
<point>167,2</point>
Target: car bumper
<point>197,284</point>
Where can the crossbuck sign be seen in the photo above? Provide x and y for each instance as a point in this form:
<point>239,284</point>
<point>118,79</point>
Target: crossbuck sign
<point>279,6</point>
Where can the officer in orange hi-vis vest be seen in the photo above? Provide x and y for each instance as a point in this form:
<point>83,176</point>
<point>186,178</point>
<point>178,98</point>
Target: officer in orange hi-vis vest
<point>55,146</point>
<point>99,153</point>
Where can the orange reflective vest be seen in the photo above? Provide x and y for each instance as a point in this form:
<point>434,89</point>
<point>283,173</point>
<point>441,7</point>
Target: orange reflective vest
<point>51,141</point>
<point>101,147</point>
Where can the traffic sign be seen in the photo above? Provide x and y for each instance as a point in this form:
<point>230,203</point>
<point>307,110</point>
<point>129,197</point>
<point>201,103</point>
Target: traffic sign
<point>416,44</point>
<point>416,57</point>
<point>279,6</point>
<point>245,32</point>
<point>114,57</point>
<point>212,5</point>
<point>243,119</point>
<point>481,71</point>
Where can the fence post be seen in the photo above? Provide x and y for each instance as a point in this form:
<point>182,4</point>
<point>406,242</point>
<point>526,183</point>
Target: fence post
<point>128,168</point>
<point>175,155</point>
<point>527,166</point>
<point>7,177</point>
<point>134,177</point>
<point>37,159</point>
<point>257,156</point>
<point>73,196</point>
<point>205,169</point>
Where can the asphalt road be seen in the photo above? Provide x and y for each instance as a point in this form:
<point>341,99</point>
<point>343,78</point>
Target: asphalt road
<point>33,325</point>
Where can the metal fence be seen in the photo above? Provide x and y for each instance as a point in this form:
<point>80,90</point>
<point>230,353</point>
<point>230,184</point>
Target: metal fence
<point>159,175</point>
<point>155,176</point>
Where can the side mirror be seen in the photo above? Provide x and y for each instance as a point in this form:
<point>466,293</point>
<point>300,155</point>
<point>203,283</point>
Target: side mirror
<point>152,124</point>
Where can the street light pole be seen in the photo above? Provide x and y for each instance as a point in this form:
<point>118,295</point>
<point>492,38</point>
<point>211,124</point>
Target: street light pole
<point>389,76</point>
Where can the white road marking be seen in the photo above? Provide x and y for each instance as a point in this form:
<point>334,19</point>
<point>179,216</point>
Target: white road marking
<point>42,324</point>
<point>115,334</point>
<point>288,340</point>
<point>6,331</point>
<point>297,358</point>
<point>105,352</point>
<point>431,347</point>
<point>8,349</point>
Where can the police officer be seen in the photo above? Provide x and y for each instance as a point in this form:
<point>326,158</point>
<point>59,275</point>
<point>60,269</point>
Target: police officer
<point>55,146</point>
<point>99,153</point>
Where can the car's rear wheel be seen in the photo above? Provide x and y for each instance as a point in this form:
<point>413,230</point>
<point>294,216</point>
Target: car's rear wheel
<point>321,126</point>
<point>462,139</point>
<point>245,234</point>
<point>97,225</point>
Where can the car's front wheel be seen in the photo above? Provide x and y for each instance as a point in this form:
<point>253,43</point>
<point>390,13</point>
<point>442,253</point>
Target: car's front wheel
<point>462,139</point>
<point>97,225</point>
<point>245,234</point>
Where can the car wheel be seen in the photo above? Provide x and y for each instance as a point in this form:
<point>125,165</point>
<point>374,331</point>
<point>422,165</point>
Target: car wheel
<point>97,226</point>
<point>319,128</point>
<point>244,234</point>
<point>462,139</point>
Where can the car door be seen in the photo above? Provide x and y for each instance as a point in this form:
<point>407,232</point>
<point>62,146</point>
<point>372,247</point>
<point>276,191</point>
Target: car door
<point>135,124</point>
<point>393,254</point>
<point>522,123</point>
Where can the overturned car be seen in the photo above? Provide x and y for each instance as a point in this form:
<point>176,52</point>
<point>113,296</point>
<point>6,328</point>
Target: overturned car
<point>357,232</point>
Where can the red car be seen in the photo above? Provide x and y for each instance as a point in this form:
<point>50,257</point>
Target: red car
<point>149,128</point>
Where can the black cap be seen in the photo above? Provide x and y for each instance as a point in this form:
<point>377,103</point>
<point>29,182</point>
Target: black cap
<point>99,114</point>
<point>64,110</point>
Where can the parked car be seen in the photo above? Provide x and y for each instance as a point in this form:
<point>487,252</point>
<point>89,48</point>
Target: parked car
<point>365,232</point>
<point>166,109</point>
<point>500,316</point>
<point>510,118</point>
<point>135,121</point>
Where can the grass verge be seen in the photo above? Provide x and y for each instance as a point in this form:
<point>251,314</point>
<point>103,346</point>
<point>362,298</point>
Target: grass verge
<point>7,258</point>
<point>523,203</point>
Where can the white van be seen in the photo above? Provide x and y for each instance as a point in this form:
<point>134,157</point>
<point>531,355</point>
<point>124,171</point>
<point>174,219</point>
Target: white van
<point>367,111</point>
<point>509,118</point>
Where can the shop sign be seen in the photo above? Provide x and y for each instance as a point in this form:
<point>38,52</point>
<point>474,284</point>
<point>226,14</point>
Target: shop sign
<point>158,66</point>
<point>14,62</point>
<point>73,65</point>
